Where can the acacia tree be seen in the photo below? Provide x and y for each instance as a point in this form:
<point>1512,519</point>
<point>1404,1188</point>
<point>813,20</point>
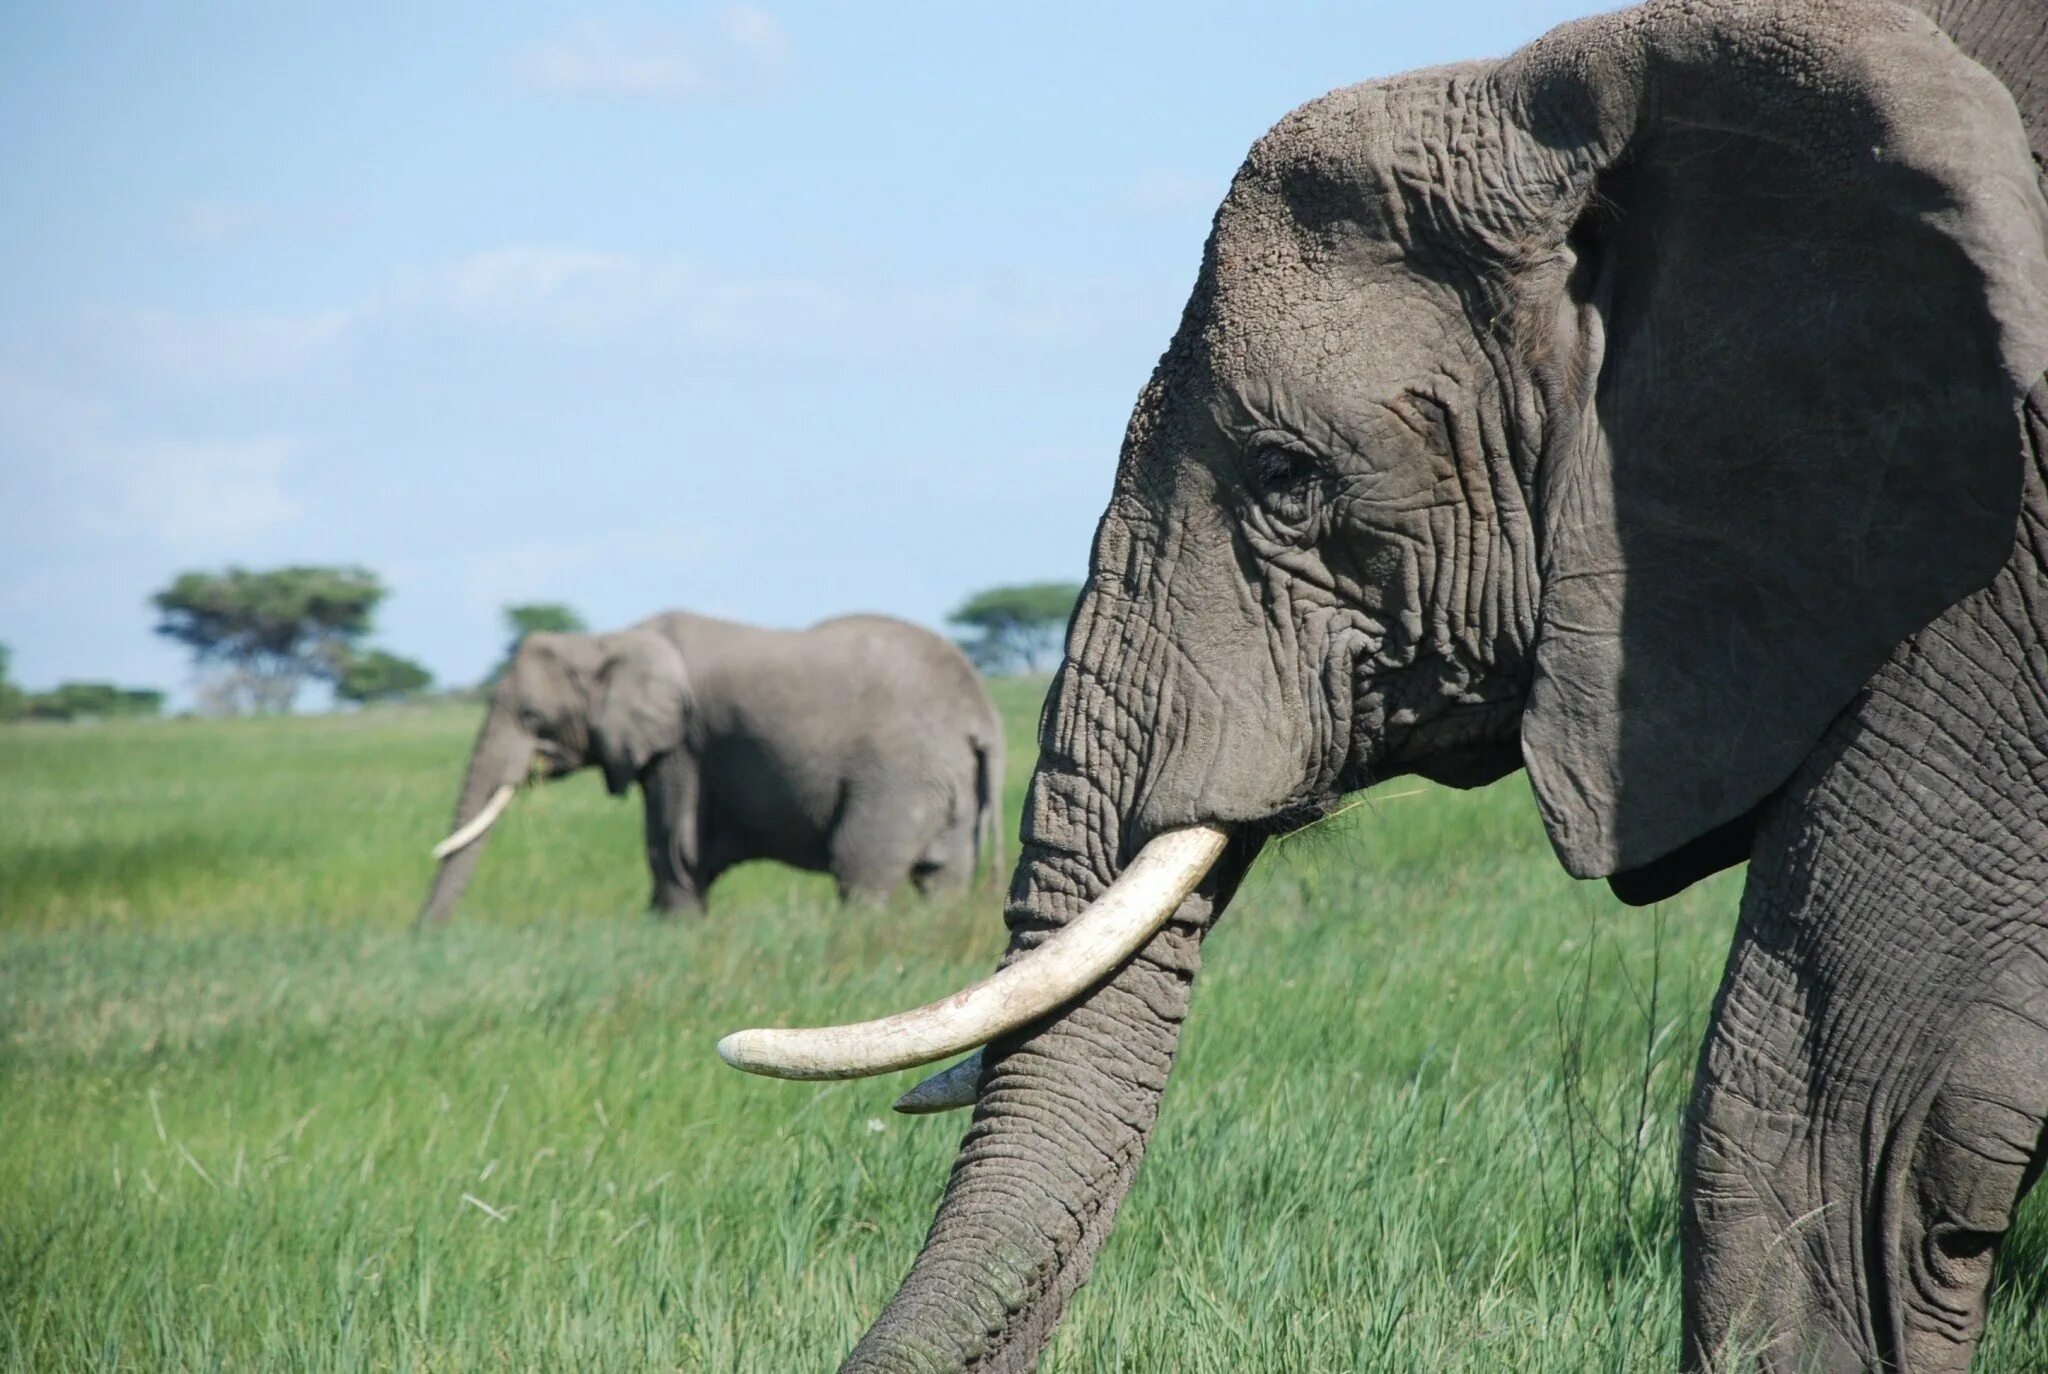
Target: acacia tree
<point>532,618</point>
<point>539,617</point>
<point>73,700</point>
<point>92,701</point>
<point>12,699</point>
<point>378,675</point>
<point>1017,629</point>
<point>261,635</point>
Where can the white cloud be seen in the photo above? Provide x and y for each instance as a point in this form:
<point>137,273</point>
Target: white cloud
<point>202,495</point>
<point>204,349</point>
<point>743,52</point>
<point>495,577</point>
<point>209,222</point>
<point>179,432</point>
<point>574,293</point>
<point>539,288</point>
<point>40,419</point>
<point>1158,192</point>
<point>76,470</point>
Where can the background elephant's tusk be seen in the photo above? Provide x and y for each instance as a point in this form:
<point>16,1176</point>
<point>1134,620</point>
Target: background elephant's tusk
<point>950,1088</point>
<point>478,823</point>
<point>1087,950</point>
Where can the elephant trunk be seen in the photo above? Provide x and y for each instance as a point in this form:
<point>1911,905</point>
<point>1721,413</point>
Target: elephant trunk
<point>1063,1118</point>
<point>1148,770</point>
<point>1067,1104</point>
<point>500,759</point>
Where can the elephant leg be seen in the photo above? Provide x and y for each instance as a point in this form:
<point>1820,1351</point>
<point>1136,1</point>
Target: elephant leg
<point>1978,1152</point>
<point>676,891</point>
<point>1870,1101</point>
<point>1750,1234</point>
<point>1846,1191</point>
<point>674,837</point>
<point>876,845</point>
<point>675,895</point>
<point>868,881</point>
<point>937,881</point>
<point>946,868</point>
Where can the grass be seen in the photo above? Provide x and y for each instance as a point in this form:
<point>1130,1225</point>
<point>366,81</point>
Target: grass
<point>1425,1119</point>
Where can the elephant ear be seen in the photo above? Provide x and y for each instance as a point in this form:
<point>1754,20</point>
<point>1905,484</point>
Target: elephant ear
<point>1808,289</point>
<point>638,704</point>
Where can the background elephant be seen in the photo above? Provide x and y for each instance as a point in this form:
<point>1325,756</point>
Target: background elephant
<point>1657,409</point>
<point>863,747</point>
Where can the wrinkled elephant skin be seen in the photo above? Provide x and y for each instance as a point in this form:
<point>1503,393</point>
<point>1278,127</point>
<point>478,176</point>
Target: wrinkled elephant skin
<point>1648,409</point>
<point>863,747</point>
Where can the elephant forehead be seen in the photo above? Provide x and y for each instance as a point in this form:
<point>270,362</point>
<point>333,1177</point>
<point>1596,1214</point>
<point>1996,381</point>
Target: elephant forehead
<point>1345,221</point>
<point>1357,346</point>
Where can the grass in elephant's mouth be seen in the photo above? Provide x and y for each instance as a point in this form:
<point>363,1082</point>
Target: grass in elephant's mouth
<point>1426,1117</point>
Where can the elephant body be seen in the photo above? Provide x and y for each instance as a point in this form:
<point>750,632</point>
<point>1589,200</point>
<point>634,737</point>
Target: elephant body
<point>1661,410</point>
<point>864,747</point>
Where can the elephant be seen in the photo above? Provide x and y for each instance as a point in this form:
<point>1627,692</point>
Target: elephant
<point>865,747</point>
<point>1659,410</point>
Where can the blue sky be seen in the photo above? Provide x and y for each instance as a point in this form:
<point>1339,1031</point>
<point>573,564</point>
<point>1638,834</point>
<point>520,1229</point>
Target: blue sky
<point>770,311</point>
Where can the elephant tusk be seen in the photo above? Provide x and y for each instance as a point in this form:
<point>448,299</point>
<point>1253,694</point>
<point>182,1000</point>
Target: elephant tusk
<point>1072,960</point>
<point>947,1090</point>
<point>478,823</point>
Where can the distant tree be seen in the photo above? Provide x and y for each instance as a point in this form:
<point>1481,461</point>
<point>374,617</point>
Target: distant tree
<point>377,675</point>
<point>1016,628</point>
<point>532,618</point>
<point>540,617</point>
<point>13,701</point>
<point>72,700</point>
<point>93,700</point>
<point>263,634</point>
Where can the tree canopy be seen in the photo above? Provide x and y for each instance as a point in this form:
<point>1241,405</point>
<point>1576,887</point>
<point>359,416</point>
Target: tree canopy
<point>265,633</point>
<point>1017,629</point>
<point>533,618</point>
<point>378,675</point>
<point>91,701</point>
<point>73,700</point>
<point>540,617</point>
<point>12,698</point>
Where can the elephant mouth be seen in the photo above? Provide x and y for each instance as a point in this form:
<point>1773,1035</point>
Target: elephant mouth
<point>1294,816</point>
<point>551,761</point>
<point>547,762</point>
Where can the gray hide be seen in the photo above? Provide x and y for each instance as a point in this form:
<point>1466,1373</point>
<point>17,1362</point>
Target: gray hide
<point>863,747</point>
<point>1643,409</point>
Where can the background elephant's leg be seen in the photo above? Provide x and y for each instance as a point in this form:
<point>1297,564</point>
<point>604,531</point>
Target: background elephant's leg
<point>878,840</point>
<point>1871,1096</point>
<point>946,867</point>
<point>676,895</point>
<point>673,834</point>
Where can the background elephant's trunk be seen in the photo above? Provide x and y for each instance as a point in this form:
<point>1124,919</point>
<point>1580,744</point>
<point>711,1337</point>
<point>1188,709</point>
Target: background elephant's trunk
<point>502,755</point>
<point>1065,1108</point>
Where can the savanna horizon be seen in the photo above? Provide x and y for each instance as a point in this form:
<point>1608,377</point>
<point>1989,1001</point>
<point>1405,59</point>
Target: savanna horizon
<point>1426,1116</point>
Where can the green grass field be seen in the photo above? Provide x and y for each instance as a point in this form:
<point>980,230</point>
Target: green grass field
<point>1425,1119</point>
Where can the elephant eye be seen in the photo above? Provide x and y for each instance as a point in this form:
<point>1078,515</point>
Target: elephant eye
<point>1280,476</point>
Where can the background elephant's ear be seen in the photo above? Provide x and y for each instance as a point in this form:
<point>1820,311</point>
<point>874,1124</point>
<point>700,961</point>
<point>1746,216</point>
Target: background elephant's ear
<point>637,704</point>
<point>1809,289</point>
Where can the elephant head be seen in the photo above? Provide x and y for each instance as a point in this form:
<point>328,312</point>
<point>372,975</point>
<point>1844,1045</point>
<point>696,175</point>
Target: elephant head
<point>564,702</point>
<point>1612,410</point>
